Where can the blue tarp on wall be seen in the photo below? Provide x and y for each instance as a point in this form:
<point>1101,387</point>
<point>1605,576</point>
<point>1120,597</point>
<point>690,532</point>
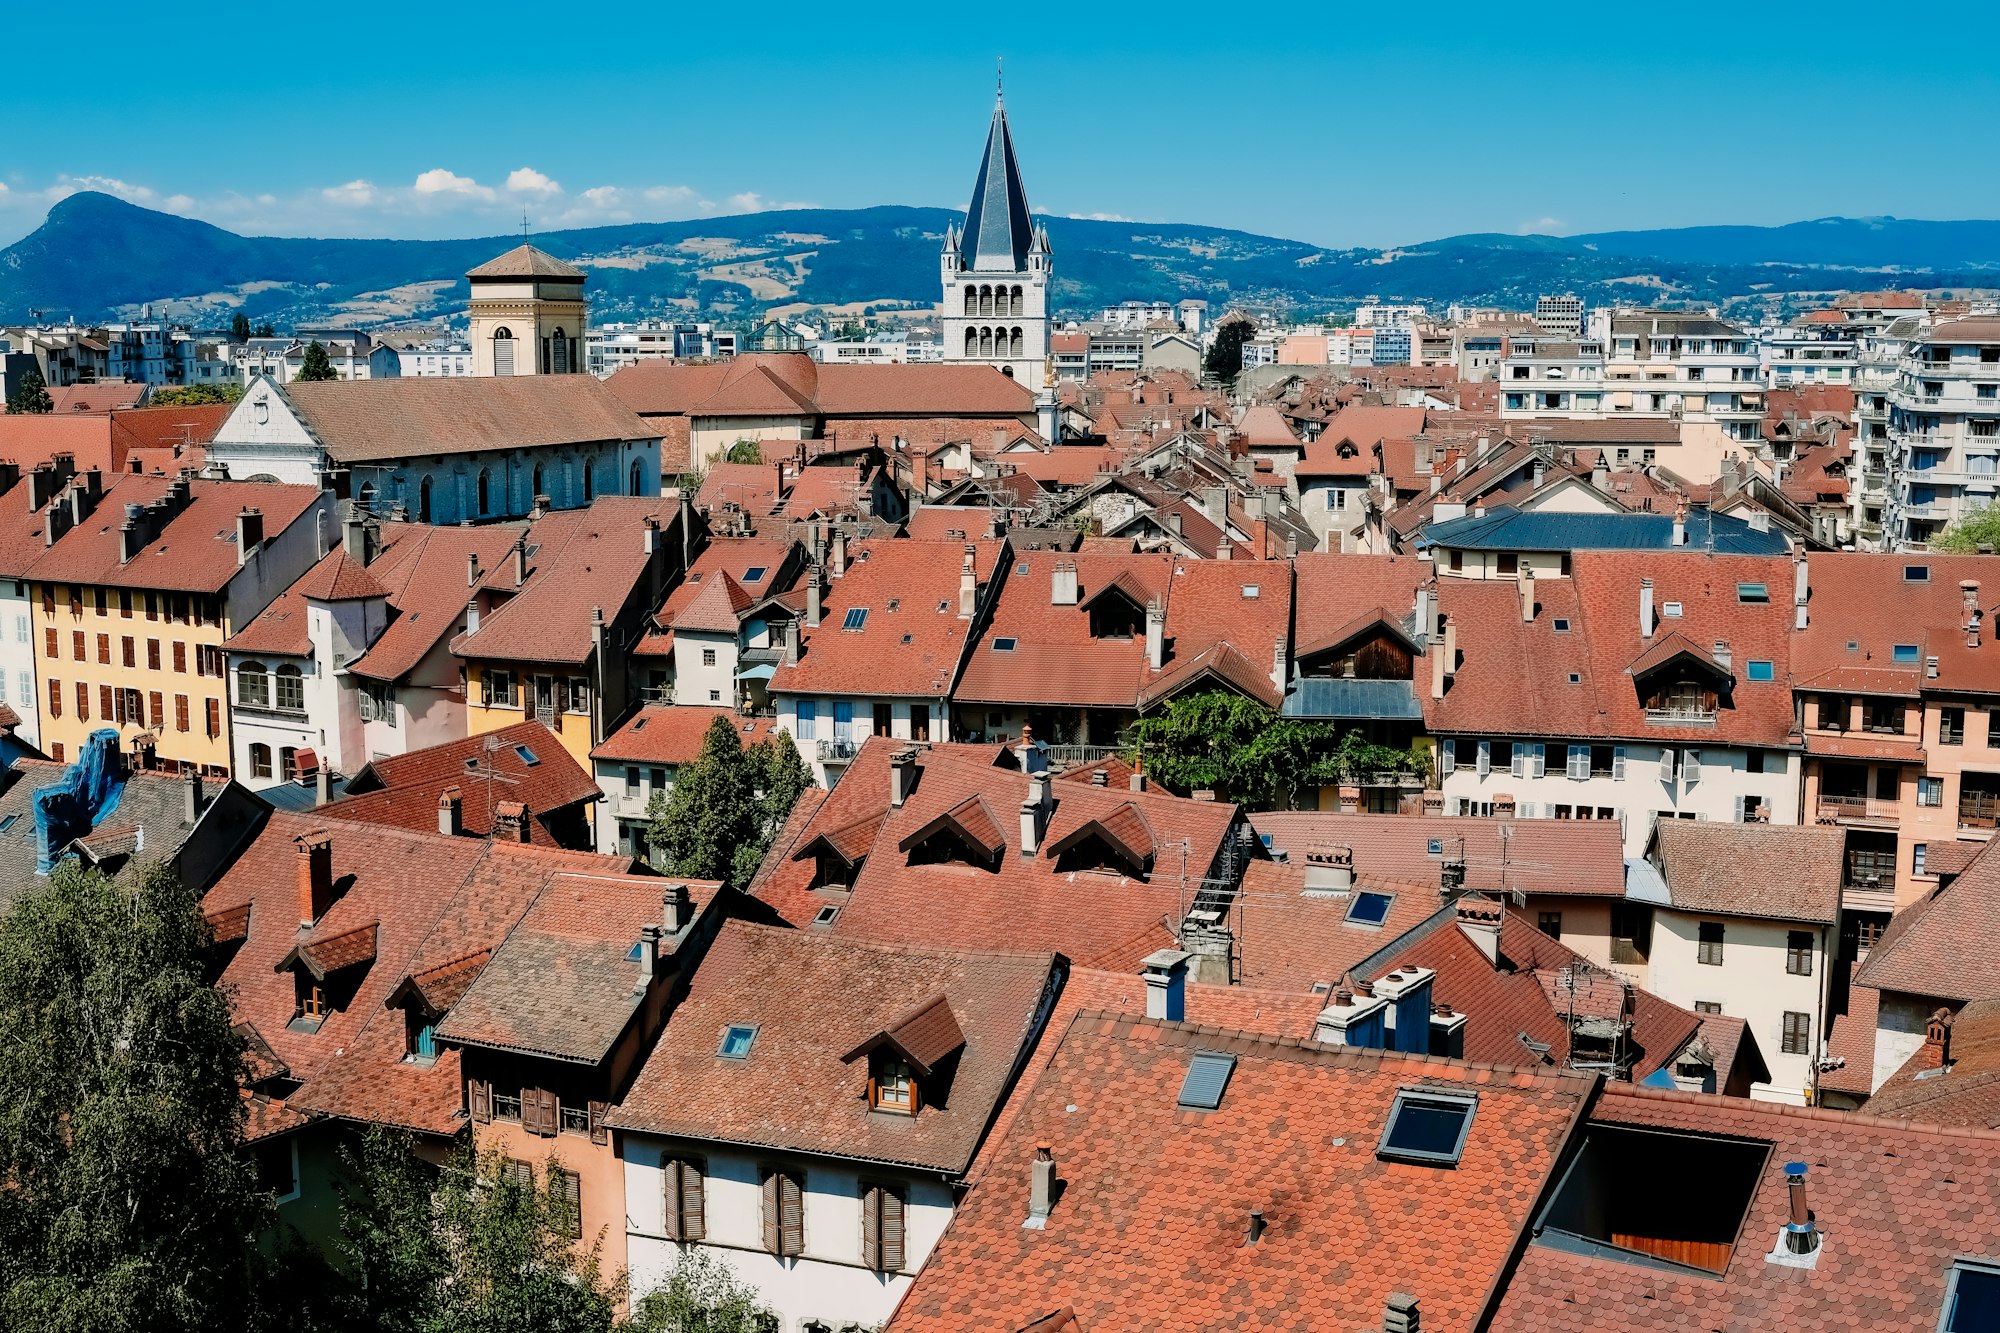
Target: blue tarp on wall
<point>88,790</point>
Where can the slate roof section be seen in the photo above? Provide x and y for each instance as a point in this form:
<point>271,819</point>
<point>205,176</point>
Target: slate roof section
<point>796,1090</point>
<point>561,985</point>
<point>1896,1203</point>
<point>148,818</point>
<point>997,232</point>
<point>1149,1230</point>
<point>369,421</point>
<point>1507,528</point>
<point>1780,872</point>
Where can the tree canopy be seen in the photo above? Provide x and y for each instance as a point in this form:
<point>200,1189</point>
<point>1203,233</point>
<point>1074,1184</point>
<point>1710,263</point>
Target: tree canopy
<point>239,327</point>
<point>1225,355</point>
<point>31,395</point>
<point>744,451</point>
<point>196,395</point>
<point>315,366</point>
<point>726,806</point>
<point>127,1197</point>
<point>1979,528</point>
<point>1233,745</point>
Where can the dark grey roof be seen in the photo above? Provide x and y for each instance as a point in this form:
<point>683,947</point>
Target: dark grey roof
<point>1673,324</point>
<point>1509,529</point>
<point>301,798</point>
<point>1342,698</point>
<point>997,230</point>
<point>146,821</point>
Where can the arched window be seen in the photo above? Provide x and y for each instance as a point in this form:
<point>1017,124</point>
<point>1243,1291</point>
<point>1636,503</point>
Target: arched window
<point>1020,308</point>
<point>971,301</point>
<point>484,495</point>
<point>589,482</point>
<point>424,501</point>
<point>559,350</point>
<point>503,351</point>
<point>253,685</point>
<point>972,342</point>
<point>367,499</point>
<point>639,476</point>
<point>986,342</point>
<point>1008,371</point>
<point>260,761</point>
<point>985,300</point>
<point>1014,345</point>
<point>291,691</point>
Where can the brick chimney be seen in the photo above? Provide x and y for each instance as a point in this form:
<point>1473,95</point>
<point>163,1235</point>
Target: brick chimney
<point>1156,633</point>
<point>521,561</point>
<point>451,811</point>
<point>968,586</point>
<point>1329,869</point>
<point>902,775</point>
<point>1165,972</point>
<point>1937,1040</point>
<point>315,875</point>
<point>249,534</point>
<point>510,822</point>
<point>676,909</point>
<point>1041,1187</point>
<point>1399,1314</point>
<point>812,595</point>
<point>472,569</point>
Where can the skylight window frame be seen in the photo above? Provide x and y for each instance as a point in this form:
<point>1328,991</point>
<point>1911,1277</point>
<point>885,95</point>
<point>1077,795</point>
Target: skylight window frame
<point>756,573</point>
<point>855,620</point>
<point>1006,643</point>
<point>1760,670</point>
<point>1964,1263</point>
<point>1388,901</point>
<point>1753,594</point>
<point>1457,1100</point>
<point>1218,1065</point>
<point>1905,654</point>
<point>722,1050</point>
<point>1916,573</point>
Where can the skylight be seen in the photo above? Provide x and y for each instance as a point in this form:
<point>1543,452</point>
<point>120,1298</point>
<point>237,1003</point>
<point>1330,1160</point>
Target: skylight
<point>755,574</point>
<point>528,757</point>
<point>825,915</point>
<point>1251,591</point>
<point>1916,573</point>
<point>856,618</point>
<point>1004,645</point>
<point>1561,625</point>
<point>1593,1211</point>
<point>736,1041</point>
<point>1428,1127</point>
<point>1021,569</point>
<point>1672,610</point>
<point>1752,592</point>
<point>1369,909</point>
<point>1905,653</point>
<point>1207,1077</point>
<point>1972,1301</point>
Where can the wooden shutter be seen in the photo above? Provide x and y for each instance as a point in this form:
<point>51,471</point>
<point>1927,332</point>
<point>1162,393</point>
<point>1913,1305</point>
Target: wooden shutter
<point>157,702</point>
<point>871,1226</point>
<point>521,1173</point>
<point>180,657</point>
<point>1618,763</point>
<point>214,717</point>
<point>573,1203</point>
<point>772,1235</point>
<point>791,1196</point>
<point>598,1132</point>
<point>545,1110</point>
<point>673,1207</point>
<point>892,1232</point>
<point>180,712</point>
<point>479,1096</point>
<point>694,1199</point>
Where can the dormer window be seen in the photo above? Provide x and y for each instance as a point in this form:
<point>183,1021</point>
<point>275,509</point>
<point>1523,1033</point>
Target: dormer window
<point>421,1026</point>
<point>892,1084</point>
<point>312,1006</point>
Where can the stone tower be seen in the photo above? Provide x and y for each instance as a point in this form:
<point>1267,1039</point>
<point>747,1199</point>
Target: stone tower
<point>527,315</point>
<point>996,272</point>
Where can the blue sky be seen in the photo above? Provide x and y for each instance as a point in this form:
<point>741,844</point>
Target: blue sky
<point>1341,125</point>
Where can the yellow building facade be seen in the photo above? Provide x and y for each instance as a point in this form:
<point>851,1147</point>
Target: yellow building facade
<point>506,694</point>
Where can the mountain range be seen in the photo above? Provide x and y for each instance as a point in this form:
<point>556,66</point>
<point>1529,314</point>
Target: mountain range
<point>97,257</point>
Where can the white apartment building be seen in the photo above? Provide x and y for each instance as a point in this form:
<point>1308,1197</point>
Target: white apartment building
<point>612,347</point>
<point>1373,315</point>
<point>884,349</point>
<point>439,357</point>
<point>1879,352</point>
<point>1802,355</point>
<point>1560,316</point>
<point>1552,375</point>
<point>353,354</point>
<point>1944,430</point>
<point>1691,368</point>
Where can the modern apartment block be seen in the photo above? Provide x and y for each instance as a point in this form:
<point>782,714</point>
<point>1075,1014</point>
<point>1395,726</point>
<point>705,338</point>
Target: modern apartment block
<point>1944,430</point>
<point>1560,316</point>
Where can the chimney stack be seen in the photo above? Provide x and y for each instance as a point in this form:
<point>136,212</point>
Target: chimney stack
<point>451,811</point>
<point>510,822</point>
<point>676,909</point>
<point>968,586</point>
<point>1353,1019</point>
<point>1723,657</point>
<point>650,527</point>
<point>792,642</point>
<point>1329,870</point>
<point>471,569</point>
<point>1062,584</point>
<point>1937,1039</point>
<point>1426,624</point>
<point>1399,1314</point>
<point>1801,1232</point>
<point>1527,584</point>
<point>1681,524</point>
<point>812,595</point>
<point>322,783</point>
<point>1801,590</point>
<point>315,872</point>
<point>902,775</point>
<point>1255,1231</point>
<point>193,802</point>
<point>249,534</point>
<point>1041,1187</point>
<point>1645,608</point>
<point>521,561</point>
<point>1099,778</point>
<point>1280,674</point>
<point>1034,813</point>
<point>1138,780</point>
<point>839,545</point>
<point>1969,590</point>
<point>1479,917</point>
<point>649,954</point>
<point>1165,972</point>
<point>541,509</point>
<point>1156,633</point>
<point>354,536</point>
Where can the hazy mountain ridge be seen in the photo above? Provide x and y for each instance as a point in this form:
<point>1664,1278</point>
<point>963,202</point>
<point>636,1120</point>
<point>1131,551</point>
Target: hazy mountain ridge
<point>98,257</point>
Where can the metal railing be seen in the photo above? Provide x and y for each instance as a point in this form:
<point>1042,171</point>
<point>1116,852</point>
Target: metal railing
<point>1687,716</point>
<point>836,751</point>
<point>1979,809</point>
<point>1858,807</point>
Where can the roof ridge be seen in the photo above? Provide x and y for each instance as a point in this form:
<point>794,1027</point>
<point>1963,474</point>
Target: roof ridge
<point>1820,1113</point>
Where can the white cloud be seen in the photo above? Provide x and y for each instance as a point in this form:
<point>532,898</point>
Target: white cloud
<point>438,181</point>
<point>178,203</point>
<point>749,201</point>
<point>1099,217</point>
<point>1541,226</point>
<point>526,180</point>
<point>355,194</point>
<point>66,186</point>
<point>676,195</point>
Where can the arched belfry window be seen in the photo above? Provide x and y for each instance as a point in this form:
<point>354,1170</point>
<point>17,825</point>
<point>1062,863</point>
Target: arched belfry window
<point>503,351</point>
<point>1015,347</point>
<point>1020,308</point>
<point>559,352</point>
<point>986,342</point>
<point>972,342</point>
<point>971,301</point>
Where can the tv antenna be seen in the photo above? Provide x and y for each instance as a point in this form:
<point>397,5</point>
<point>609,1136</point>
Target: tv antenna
<point>481,766</point>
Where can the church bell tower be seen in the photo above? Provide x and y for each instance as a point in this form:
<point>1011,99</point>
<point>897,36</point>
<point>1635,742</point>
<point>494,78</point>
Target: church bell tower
<point>995,272</point>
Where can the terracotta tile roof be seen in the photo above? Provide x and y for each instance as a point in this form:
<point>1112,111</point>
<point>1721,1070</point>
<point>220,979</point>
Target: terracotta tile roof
<point>1850,1040</point>
<point>194,552</point>
<point>1894,1202</point>
<point>1054,660</point>
<point>359,421</point>
<point>802,1086</point>
<point>1513,677</point>
<point>729,560</point>
<point>673,388</point>
<point>168,430</point>
<point>752,487</point>
<point>1871,601</point>
<point>1534,856</point>
<point>1264,427</point>
<point>672,734</point>
<point>1149,1231</point>
<point>562,983</point>
<point>1778,871</point>
<point>593,557</point>
<point>1943,946</point>
<point>1957,1083</point>
<point>422,569</point>
<point>403,790</point>
<point>911,637</point>
<point>1290,940</point>
<point>526,261</point>
<point>956,523</point>
<point>95,399</point>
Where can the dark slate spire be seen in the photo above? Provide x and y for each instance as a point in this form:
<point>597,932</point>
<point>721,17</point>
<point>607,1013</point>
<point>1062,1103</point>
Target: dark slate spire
<point>997,229</point>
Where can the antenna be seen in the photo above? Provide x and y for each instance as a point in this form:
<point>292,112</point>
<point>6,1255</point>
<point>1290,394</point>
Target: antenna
<point>524,224</point>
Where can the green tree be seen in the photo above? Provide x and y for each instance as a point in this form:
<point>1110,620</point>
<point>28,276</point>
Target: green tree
<point>1225,355</point>
<point>1979,528</point>
<point>726,806</point>
<point>127,1197</point>
<point>239,327</point>
<point>701,1295</point>
<point>196,395</point>
<point>31,395</point>
<point>265,331</point>
<point>779,777</point>
<point>744,451</point>
<point>315,366</point>
<point>1232,745</point>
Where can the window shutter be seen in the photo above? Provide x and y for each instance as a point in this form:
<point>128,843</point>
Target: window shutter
<point>673,1206</point>
<point>871,1227</point>
<point>1617,763</point>
<point>486,689</point>
<point>892,1232</point>
<point>549,1119</point>
<point>694,1211</point>
<point>1541,759</point>
<point>1691,767</point>
<point>772,1235</point>
<point>1447,757</point>
<point>1739,809</point>
<point>573,1202</point>
<point>598,1132</point>
<point>1517,765</point>
<point>1579,762</point>
<point>521,1173</point>
<point>1667,765</point>
<point>479,1099</point>
<point>792,1196</point>
<point>1485,759</point>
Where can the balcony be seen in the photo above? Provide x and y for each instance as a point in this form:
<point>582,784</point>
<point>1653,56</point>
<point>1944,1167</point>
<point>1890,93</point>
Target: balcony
<point>836,751</point>
<point>1979,810</point>
<point>1691,715</point>
<point>1859,809</point>
<point>1071,755</point>
<point>1958,369</point>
